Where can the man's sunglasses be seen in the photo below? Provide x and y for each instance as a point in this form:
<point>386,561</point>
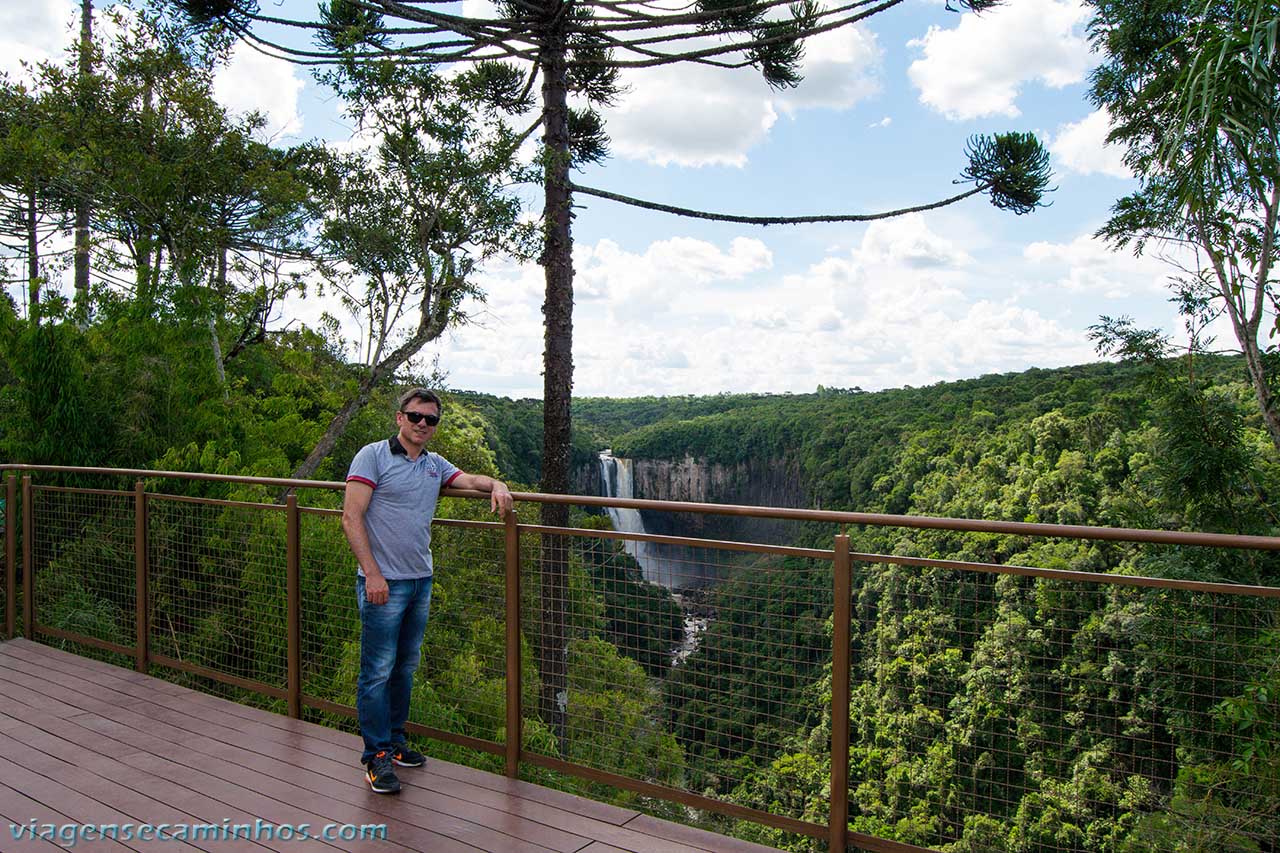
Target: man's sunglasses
<point>418,417</point>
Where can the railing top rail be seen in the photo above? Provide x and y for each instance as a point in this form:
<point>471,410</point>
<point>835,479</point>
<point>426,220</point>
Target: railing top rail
<point>963,525</point>
<point>278,482</point>
<point>1017,528</point>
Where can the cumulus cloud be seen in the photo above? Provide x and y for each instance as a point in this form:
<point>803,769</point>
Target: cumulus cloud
<point>905,305</point>
<point>908,241</point>
<point>1087,265</point>
<point>979,67</point>
<point>1082,147</point>
<point>34,32</point>
<point>252,81</point>
<point>695,115</point>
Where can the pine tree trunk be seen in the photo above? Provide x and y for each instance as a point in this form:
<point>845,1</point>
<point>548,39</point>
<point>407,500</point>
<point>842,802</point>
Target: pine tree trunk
<point>216,346</point>
<point>557,312</point>
<point>33,261</point>
<point>82,307</point>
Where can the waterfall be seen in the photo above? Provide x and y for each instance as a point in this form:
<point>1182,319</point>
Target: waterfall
<point>616,475</point>
<point>616,479</point>
<point>668,566</point>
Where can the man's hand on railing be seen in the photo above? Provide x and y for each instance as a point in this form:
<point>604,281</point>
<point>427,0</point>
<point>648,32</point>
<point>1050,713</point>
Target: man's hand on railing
<point>500,500</point>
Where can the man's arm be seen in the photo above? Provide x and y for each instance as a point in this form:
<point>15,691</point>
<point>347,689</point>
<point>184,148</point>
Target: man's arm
<point>354,506</point>
<point>500,499</point>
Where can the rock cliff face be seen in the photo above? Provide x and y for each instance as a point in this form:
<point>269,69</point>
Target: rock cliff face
<point>764,482</point>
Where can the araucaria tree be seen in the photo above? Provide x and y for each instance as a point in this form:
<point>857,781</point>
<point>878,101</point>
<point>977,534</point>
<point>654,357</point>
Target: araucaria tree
<point>577,48</point>
<point>1192,90</point>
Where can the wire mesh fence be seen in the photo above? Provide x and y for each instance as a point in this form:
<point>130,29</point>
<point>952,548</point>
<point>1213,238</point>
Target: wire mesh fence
<point>461,688</point>
<point>330,622</point>
<point>82,553</point>
<point>10,532</point>
<point>217,587</point>
<point>1004,712</point>
<point>991,708</point>
<point>690,683</point>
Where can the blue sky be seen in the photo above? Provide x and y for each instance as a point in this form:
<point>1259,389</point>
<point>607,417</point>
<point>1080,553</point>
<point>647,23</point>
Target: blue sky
<point>667,305</point>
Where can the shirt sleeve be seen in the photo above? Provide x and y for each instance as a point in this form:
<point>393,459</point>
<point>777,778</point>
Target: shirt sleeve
<point>448,471</point>
<point>364,468</point>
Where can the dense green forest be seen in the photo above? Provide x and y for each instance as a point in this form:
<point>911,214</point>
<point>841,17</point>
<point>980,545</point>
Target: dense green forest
<point>995,712</point>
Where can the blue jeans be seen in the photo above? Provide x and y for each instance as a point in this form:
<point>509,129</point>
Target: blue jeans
<point>390,647</point>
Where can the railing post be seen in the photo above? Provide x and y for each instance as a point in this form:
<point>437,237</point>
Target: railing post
<point>28,564</point>
<point>142,597</point>
<point>10,555</point>
<point>841,616</point>
<point>514,716</point>
<point>293,603</point>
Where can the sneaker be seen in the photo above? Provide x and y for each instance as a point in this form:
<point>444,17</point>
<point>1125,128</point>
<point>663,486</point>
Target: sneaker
<point>382,778</point>
<point>406,756</point>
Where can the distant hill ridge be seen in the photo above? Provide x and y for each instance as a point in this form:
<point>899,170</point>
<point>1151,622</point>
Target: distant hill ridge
<point>843,440</point>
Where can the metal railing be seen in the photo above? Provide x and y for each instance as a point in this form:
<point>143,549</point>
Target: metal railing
<point>960,695</point>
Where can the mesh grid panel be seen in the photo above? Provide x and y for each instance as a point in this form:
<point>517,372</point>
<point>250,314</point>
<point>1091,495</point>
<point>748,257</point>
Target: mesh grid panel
<point>330,621</point>
<point>218,587</point>
<point>1004,712</point>
<point>691,689</point>
<point>83,553</point>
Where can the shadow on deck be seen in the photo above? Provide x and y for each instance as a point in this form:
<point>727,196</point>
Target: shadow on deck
<point>84,742</point>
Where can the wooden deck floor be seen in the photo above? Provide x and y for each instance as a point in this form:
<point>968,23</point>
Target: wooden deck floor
<point>83,742</point>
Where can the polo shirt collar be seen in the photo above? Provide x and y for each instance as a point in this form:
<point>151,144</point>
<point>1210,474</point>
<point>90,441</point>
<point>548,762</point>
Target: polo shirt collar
<point>397,449</point>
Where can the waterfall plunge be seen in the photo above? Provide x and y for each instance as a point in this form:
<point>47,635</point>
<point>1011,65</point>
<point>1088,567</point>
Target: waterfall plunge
<point>669,566</point>
<point>616,477</point>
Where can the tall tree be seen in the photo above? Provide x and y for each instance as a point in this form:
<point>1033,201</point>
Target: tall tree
<point>407,222</point>
<point>188,196</point>
<point>1192,93</point>
<point>32,148</point>
<point>576,48</point>
<point>84,96</point>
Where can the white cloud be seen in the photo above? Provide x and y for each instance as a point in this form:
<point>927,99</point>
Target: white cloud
<point>1087,265</point>
<point>35,32</point>
<point>839,70</point>
<point>1082,147</point>
<point>979,68</point>
<point>252,81</point>
<point>884,122</point>
<point>905,306</point>
<point>907,241</point>
<point>695,115</point>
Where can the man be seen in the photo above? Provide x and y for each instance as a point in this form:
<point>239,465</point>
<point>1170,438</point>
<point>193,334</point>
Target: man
<point>392,489</point>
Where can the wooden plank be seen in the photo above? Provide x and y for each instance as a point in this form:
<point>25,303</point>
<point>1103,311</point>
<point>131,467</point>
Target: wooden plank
<point>77,805</point>
<point>18,808</point>
<point>695,837</point>
<point>137,722</point>
<point>316,776</point>
<point>60,733</point>
<point>51,757</point>
<point>57,658</point>
<point>230,783</point>
<point>593,809</point>
<point>141,730</point>
<point>242,791</point>
<point>566,814</point>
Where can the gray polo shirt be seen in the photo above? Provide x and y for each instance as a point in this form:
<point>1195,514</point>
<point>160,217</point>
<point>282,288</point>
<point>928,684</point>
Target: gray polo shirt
<point>404,499</point>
